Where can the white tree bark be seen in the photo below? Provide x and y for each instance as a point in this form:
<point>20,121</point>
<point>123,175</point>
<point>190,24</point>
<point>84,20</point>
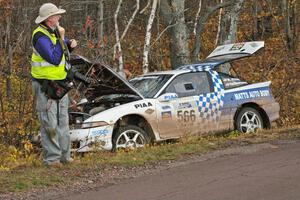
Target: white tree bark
<point>130,20</point>
<point>117,48</point>
<point>148,38</point>
<point>197,16</point>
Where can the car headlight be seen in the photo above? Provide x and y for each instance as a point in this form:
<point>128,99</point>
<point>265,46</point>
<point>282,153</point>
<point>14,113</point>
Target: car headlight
<point>93,124</point>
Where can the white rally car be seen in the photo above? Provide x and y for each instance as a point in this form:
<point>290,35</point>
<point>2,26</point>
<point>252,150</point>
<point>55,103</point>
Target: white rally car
<point>193,99</point>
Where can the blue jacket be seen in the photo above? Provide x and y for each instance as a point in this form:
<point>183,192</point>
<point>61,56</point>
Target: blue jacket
<point>51,53</point>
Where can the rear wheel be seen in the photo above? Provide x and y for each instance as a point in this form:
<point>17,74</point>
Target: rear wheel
<point>249,120</point>
<point>130,137</point>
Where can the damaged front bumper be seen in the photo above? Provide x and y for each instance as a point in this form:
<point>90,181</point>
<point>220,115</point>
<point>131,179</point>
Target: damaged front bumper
<point>84,140</point>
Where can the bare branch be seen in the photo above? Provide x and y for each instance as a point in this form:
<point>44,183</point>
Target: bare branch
<point>130,21</point>
<point>201,24</point>
<point>197,16</point>
<point>144,9</point>
<point>159,36</point>
<point>131,18</point>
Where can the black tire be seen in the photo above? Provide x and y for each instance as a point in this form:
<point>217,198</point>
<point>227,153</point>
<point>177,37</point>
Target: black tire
<point>120,141</point>
<point>249,120</point>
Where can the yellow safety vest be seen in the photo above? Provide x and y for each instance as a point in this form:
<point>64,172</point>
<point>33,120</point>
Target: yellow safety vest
<point>40,68</point>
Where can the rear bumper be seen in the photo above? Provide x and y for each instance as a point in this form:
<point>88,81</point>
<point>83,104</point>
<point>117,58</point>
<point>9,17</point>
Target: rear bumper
<point>272,110</point>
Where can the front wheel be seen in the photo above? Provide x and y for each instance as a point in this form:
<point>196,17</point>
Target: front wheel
<point>249,120</point>
<point>130,137</point>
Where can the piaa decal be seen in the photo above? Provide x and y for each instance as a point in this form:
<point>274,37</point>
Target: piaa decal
<point>143,105</point>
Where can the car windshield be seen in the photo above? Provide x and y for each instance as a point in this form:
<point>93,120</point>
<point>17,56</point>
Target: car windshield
<point>149,85</point>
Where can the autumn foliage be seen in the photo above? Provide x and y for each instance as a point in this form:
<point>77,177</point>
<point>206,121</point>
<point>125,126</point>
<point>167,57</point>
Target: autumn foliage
<point>278,62</point>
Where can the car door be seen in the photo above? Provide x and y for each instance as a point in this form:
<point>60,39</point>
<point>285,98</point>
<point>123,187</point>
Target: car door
<point>179,115</point>
<point>231,105</point>
<point>210,103</point>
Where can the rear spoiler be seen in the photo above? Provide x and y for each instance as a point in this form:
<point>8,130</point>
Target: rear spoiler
<point>237,50</point>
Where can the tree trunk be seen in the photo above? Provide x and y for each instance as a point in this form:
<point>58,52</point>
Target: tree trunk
<point>295,17</point>
<point>234,16</point>
<point>229,29</point>
<point>255,20</point>
<point>100,20</point>
<point>148,38</point>
<point>174,11</point>
<point>118,50</point>
<point>8,76</point>
<point>287,23</point>
<point>10,55</point>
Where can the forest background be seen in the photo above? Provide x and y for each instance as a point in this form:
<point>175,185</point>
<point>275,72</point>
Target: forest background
<point>138,36</point>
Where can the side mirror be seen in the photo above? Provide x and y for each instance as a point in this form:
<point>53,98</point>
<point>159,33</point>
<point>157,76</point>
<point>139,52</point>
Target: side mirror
<point>167,97</point>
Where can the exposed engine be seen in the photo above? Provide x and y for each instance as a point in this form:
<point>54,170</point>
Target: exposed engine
<point>106,90</point>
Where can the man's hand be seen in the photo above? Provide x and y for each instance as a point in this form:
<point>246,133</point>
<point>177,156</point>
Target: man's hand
<point>73,43</point>
<point>73,104</point>
<point>61,31</point>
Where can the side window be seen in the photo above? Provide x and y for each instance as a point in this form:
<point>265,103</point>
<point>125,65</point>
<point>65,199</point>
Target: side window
<point>190,84</point>
<point>230,81</point>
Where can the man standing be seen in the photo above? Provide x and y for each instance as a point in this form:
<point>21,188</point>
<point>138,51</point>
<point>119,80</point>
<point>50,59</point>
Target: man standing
<point>49,63</point>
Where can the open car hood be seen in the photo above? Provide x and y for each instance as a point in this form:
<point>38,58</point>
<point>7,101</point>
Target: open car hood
<point>229,52</point>
<point>105,81</point>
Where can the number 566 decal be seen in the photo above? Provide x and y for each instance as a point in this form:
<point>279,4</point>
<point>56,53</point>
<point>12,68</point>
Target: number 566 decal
<point>186,115</point>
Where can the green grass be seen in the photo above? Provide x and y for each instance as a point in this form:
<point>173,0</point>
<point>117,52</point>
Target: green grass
<point>20,180</point>
<point>35,175</point>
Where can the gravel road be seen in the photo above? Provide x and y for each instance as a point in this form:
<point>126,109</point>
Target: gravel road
<point>260,172</point>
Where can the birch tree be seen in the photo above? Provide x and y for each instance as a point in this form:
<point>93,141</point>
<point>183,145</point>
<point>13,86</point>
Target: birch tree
<point>148,37</point>
<point>197,16</point>
<point>117,46</point>
<point>137,7</point>
<point>118,49</point>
